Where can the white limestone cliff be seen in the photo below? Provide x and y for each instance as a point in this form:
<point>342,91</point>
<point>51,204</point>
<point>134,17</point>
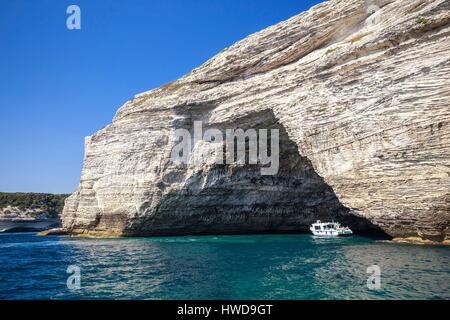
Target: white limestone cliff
<point>360,91</point>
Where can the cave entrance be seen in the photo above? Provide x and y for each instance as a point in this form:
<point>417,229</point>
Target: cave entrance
<point>227,199</point>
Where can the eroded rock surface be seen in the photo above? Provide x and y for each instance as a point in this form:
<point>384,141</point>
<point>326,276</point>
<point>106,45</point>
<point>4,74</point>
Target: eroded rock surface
<point>360,91</point>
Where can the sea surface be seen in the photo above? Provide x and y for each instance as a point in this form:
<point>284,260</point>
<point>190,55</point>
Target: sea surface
<point>219,267</point>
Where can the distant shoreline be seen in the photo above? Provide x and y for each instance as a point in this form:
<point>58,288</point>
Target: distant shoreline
<point>30,212</point>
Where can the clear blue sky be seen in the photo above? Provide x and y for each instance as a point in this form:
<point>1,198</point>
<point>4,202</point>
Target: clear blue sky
<point>58,86</point>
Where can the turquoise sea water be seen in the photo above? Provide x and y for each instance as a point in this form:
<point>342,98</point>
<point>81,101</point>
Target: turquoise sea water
<point>220,267</point>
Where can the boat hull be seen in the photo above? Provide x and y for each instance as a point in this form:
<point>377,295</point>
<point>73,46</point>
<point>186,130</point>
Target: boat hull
<point>332,233</point>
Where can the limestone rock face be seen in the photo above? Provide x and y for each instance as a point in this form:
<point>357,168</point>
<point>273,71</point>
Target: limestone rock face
<point>360,93</point>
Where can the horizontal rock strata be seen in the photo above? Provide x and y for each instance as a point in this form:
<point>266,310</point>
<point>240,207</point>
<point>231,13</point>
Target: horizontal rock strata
<point>360,93</point>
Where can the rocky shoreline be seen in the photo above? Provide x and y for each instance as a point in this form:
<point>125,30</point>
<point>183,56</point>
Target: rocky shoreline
<point>27,225</point>
<point>118,234</point>
<point>30,212</point>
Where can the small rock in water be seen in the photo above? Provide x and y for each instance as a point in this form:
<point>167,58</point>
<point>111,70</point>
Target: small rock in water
<point>53,232</point>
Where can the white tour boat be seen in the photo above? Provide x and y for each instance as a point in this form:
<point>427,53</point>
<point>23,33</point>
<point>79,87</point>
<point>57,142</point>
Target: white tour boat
<point>330,229</point>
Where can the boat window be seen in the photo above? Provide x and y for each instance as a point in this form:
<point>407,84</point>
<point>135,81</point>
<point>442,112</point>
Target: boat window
<point>317,227</point>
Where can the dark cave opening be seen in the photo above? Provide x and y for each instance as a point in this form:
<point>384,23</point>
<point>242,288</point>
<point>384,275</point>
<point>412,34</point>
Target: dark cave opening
<point>226,199</point>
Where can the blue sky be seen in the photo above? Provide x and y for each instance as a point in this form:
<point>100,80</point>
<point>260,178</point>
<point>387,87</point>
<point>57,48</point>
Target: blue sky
<point>58,86</point>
